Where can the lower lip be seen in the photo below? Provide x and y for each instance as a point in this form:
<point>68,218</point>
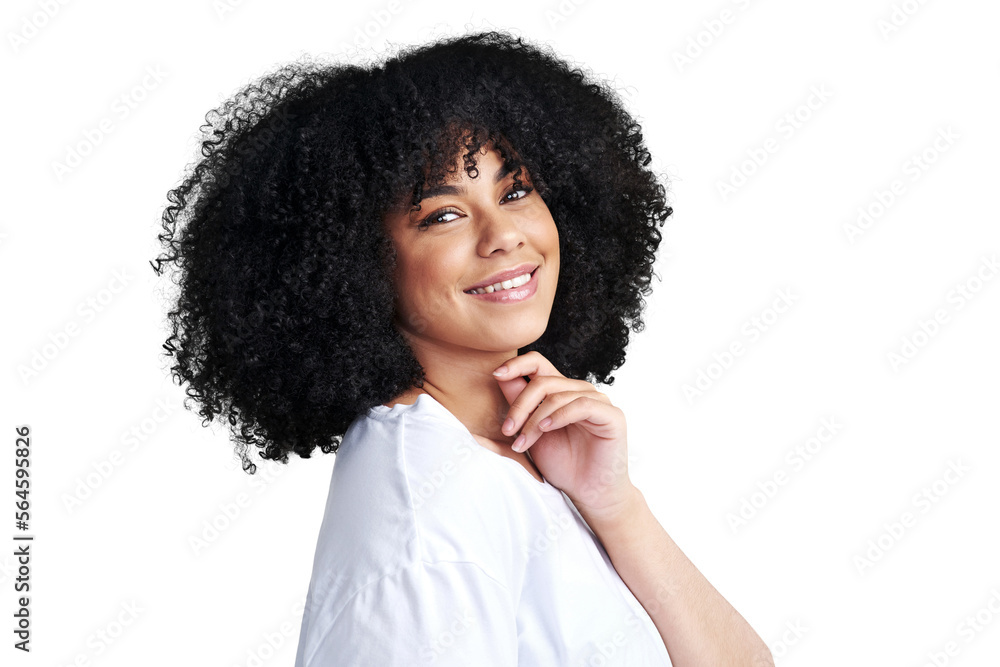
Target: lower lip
<point>513,295</point>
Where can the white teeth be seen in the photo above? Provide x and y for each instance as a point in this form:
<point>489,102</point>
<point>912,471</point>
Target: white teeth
<point>506,284</point>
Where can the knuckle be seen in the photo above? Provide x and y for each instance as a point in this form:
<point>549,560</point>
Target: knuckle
<point>553,381</point>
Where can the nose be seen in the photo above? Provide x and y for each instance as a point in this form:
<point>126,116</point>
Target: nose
<point>499,230</point>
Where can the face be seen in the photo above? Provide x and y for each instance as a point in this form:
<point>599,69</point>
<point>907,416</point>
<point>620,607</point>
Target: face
<point>464,234</point>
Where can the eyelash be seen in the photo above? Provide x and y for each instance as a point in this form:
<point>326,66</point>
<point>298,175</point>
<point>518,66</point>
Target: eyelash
<point>426,222</point>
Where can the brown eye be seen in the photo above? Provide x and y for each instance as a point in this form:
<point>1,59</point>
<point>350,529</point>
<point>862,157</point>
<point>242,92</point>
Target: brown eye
<point>525,190</point>
<point>435,218</point>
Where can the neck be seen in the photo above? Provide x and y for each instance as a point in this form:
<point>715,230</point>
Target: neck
<point>463,382</point>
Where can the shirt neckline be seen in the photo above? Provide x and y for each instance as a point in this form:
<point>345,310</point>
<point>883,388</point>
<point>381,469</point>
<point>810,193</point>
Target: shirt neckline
<point>426,402</point>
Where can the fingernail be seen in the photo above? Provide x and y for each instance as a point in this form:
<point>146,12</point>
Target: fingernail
<point>500,371</point>
<point>545,422</point>
<point>508,425</point>
<point>519,442</point>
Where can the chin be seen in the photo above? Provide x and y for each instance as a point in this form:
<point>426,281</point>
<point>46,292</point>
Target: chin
<point>535,334</point>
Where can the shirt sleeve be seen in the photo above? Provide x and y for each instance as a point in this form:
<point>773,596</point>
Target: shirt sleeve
<point>446,614</point>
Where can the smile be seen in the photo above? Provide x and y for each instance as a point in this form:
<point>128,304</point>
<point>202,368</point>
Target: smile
<point>509,291</point>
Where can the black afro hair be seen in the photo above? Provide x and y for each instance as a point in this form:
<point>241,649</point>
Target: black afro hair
<point>283,318</point>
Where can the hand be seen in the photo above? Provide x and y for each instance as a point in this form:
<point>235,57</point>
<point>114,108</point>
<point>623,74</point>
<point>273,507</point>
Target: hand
<point>576,436</point>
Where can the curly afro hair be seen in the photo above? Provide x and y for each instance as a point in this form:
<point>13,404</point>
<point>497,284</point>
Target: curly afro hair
<point>283,320</point>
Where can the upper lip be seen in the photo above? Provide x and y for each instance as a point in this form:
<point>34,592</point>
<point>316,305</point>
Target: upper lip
<point>508,274</point>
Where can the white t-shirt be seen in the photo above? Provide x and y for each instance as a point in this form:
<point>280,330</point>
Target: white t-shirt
<point>437,551</point>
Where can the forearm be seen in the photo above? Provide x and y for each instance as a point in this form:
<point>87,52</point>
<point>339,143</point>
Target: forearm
<point>698,626</point>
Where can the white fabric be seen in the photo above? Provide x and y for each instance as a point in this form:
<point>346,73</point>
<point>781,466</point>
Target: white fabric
<point>437,551</point>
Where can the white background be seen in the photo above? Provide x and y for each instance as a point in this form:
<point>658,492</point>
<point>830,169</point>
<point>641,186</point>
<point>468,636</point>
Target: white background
<point>889,90</point>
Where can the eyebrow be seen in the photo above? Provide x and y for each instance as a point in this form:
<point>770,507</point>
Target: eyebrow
<point>439,190</point>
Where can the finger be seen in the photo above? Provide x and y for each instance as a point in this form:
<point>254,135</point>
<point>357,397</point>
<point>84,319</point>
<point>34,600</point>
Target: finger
<point>512,381</point>
<point>540,389</point>
<point>529,364</point>
<point>593,414</point>
<point>534,403</point>
<point>530,432</point>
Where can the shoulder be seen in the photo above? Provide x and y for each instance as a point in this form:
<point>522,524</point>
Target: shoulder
<point>415,515</point>
<point>409,485</point>
<point>468,503</point>
<point>458,500</point>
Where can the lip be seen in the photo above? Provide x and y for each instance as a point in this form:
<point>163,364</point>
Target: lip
<point>514,294</point>
<point>519,270</point>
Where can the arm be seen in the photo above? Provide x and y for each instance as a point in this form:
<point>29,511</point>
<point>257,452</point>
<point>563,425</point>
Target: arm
<point>579,442</point>
<point>450,614</point>
<point>698,626</point>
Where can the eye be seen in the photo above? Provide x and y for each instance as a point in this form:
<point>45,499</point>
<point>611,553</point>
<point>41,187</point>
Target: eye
<point>435,218</point>
<point>520,191</point>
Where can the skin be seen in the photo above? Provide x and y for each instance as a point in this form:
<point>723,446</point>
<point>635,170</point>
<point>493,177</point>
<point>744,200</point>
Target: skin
<point>512,403</point>
<point>578,441</point>
<point>458,339</point>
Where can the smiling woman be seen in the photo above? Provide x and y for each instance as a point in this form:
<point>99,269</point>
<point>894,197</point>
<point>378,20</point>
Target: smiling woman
<point>493,239</point>
<point>497,226</point>
<point>424,266</point>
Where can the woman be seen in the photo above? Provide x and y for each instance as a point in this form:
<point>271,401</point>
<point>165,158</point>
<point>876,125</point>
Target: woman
<point>423,265</point>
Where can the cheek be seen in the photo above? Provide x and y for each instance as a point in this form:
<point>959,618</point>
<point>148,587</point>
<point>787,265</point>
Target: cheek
<point>423,283</point>
<point>426,272</point>
<point>552,245</point>
<point>547,230</point>
<point>548,238</point>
